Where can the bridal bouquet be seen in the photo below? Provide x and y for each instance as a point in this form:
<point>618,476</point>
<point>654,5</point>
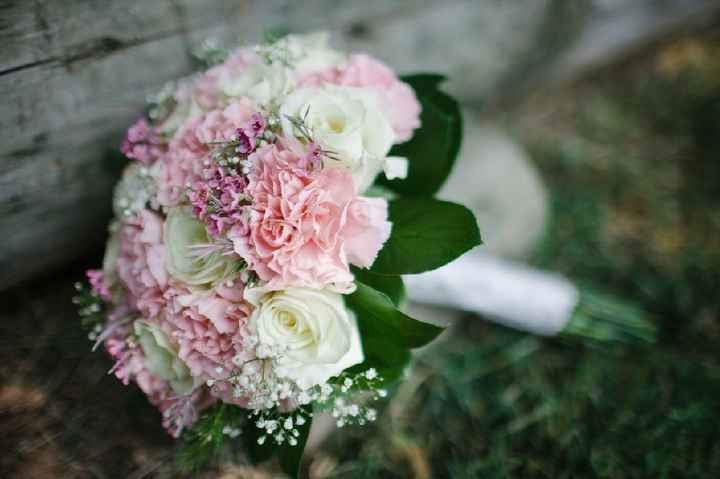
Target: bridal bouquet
<point>252,276</point>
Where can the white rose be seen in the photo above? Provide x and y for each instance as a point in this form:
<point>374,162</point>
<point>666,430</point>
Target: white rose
<point>162,360</point>
<point>259,81</point>
<point>346,121</point>
<point>311,52</point>
<point>318,334</point>
<point>191,255</point>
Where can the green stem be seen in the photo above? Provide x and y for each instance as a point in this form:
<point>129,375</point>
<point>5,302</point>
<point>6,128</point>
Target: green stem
<point>607,319</point>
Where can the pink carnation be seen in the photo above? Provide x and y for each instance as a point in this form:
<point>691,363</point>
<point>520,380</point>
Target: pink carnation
<point>184,162</point>
<point>178,412</point>
<point>141,261</point>
<point>396,96</point>
<point>306,228</point>
<point>208,328</point>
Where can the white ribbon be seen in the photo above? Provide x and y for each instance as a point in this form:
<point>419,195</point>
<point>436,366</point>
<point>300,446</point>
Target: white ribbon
<point>502,291</point>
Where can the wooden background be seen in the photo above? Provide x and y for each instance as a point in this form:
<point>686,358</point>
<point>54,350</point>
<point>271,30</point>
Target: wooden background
<point>75,73</point>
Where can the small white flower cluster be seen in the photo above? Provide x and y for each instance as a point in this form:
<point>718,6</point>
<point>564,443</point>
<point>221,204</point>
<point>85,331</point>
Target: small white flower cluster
<point>210,52</point>
<point>97,329</point>
<point>90,310</point>
<point>162,102</point>
<point>276,51</point>
<point>231,432</point>
<point>268,396</point>
<point>254,379</point>
<point>280,427</point>
<point>134,191</point>
<point>346,412</point>
<point>351,413</point>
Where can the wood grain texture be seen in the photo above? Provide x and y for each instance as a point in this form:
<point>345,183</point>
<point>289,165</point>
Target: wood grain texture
<point>75,73</point>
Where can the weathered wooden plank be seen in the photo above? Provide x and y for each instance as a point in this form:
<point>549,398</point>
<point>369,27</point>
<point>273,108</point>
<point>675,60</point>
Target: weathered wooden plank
<point>45,30</point>
<point>54,185</point>
<point>47,97</point>
<point>51,94</point>
<point>79,72</point>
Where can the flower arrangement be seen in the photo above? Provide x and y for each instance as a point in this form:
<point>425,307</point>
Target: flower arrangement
<point>252,275</point>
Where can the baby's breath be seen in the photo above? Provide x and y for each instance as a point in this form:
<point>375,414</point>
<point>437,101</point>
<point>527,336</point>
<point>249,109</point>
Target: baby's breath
<point>90,308</point>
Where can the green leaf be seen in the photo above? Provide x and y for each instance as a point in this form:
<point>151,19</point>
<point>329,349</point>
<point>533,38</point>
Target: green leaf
<point>258,453</point>
<point>392,286</point>
<point>379,318</point>
<point>435,145</point>
<point>426,234</point>
<point>203,441</point>
<point>291,456</point>
<point>387,333</point>
<point>385,356</point>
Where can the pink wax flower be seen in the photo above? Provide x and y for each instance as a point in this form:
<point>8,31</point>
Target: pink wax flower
<point>246,142</point>
<point>218,200</point>
<point>98,284</point>
<point>142,143</point>
<point>302,227</point>
<point>256,125</point>
<point>191,145</point>
<point>311,160</point>
<point>362,71</point>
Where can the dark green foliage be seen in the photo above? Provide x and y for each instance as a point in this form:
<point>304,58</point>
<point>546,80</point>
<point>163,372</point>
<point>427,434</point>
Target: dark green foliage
<point>90,306</point>
<point>434,146</point>
<point>427,233</point>
<point>379,317</point>
<point>290,457</point>
<point>258,453</point>
<point>387,334</point>
<point>391,286</point>
<point>202,443</point>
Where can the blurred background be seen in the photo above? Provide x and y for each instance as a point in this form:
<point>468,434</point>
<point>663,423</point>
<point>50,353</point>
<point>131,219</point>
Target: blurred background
<point>592,139</point>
